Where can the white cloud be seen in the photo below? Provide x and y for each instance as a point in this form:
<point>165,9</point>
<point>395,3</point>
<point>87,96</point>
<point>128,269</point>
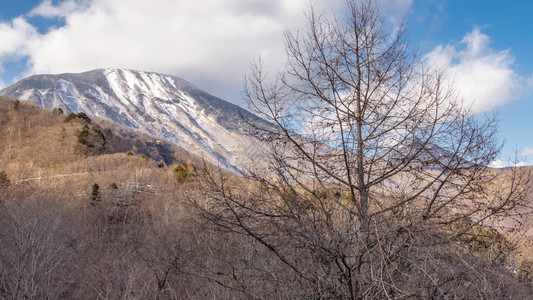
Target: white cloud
<point>48,10</point>
<point>500,163</point>
<point>209,42</point>
<point>521,159</point>
<point>482,75</point>
<point>528,151</point>
<point>14,36</point>
<point>396,10</point>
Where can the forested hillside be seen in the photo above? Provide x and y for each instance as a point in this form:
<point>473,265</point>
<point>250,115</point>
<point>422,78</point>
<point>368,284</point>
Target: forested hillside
<point>89,210</point>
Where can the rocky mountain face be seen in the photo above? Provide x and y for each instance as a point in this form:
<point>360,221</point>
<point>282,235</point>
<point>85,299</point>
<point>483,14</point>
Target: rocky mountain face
<point>163,106</point>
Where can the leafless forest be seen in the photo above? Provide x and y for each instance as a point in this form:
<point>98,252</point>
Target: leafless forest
<point>377,188</point>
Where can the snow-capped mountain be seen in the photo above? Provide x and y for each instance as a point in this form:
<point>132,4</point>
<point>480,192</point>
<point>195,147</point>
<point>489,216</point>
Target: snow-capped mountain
<point>163,106</point>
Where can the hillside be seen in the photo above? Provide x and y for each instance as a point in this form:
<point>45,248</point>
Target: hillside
<point>81,214</point>
<point>92,210</point>
<point>47,149</point>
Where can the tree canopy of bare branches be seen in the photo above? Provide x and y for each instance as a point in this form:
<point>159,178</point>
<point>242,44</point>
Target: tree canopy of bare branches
<point>379,185</point>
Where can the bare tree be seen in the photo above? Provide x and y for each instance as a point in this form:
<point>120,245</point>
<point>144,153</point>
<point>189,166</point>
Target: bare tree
<point>36,246</point>
<point>379,185</point>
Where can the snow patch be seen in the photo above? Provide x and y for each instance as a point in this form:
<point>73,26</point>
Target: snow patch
<point>115,83</point>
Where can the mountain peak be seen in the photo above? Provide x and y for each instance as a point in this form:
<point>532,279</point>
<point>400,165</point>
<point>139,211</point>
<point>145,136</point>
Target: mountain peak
<point>163,106</point>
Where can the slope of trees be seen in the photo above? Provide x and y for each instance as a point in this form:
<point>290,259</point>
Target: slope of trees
<point>100,225</point>
<point>28,132</point>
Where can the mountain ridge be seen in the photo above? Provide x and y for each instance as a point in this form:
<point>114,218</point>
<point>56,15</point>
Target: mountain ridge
<point>163,106</point>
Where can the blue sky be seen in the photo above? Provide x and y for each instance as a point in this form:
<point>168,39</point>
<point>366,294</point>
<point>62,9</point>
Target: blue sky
<point>485,44</point>
<point>507,24</point>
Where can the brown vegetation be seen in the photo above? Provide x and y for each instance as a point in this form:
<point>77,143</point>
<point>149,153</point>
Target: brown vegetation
<point>112,225</point>
<point>98,225</point>
<point>379,185</point>
<point>379,199</point>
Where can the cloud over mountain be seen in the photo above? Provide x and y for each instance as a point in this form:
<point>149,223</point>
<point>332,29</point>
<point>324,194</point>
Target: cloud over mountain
<point>482,75</point>
<point>211,41</point>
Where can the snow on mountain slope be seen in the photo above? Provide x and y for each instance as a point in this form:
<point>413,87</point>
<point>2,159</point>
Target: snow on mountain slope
<point>161,105</point>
